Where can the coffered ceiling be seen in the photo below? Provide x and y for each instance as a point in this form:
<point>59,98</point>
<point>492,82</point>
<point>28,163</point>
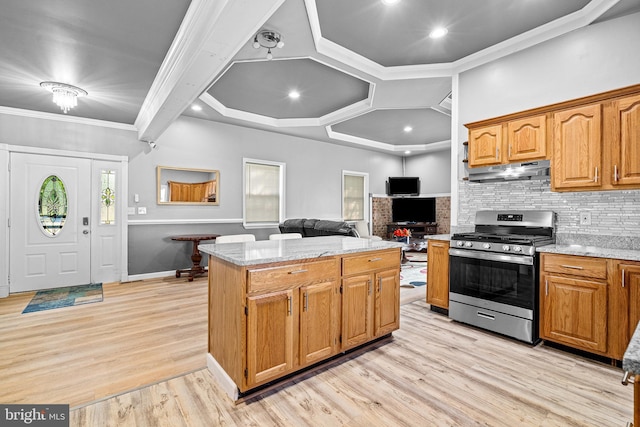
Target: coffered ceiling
<point>366,73</point>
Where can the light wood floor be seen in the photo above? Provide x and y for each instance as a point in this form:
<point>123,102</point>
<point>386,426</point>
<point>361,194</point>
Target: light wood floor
<point>434,373</point>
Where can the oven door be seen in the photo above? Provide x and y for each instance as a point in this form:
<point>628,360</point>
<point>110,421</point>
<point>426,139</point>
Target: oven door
<point>499,279</point>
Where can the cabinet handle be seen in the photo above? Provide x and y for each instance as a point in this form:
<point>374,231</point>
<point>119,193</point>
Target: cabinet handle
<point>369,284</point>
<point>298,271</point>
<point>628,378</point>
<point>306,301</point>
<point>615,173</point>
<point>289,311</point>
<point>379,284</point>
<point>374,259</point>
<point>509,151</point>
<point>497,153</point>
<point>623,277</point>
<point>595,179</point>
<point>546,288</point>
<point>575,267</point>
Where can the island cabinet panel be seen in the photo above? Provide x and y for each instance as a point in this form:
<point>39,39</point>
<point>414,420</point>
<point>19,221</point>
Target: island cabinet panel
<point>438,273</point>
<point>485,146</point>
<point>357,310</point>
<point>527,139</point>
<point>577,145</point>
<point>387,302</point>
<point>626,142</point>
<point>319,321</point>
<point>270,334</point>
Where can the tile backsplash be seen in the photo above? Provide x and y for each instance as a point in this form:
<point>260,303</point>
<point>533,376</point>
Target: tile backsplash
<point>613,213</point>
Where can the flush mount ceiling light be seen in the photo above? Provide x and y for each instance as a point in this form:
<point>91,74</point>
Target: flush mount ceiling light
<point>269,40</point>
<point>408,129</point>
<point>196,107</point>
<point>64,95</point>
<point>390,2</point>
<point>294,94</point>
<point>438,32</point>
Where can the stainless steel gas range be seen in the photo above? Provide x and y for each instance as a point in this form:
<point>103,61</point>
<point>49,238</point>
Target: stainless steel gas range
<point>493,272</point>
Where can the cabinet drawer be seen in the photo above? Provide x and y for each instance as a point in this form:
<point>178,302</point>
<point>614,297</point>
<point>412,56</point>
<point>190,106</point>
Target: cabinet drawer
<point>370,262</point>
<point>291,275</point>
<point>575,265</point>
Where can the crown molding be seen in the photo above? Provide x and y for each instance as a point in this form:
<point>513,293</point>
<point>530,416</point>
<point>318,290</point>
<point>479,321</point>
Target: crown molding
<point>65,118</point>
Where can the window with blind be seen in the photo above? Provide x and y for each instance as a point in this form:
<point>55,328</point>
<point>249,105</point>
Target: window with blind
<point>263,193</point>
<point>355,188</point>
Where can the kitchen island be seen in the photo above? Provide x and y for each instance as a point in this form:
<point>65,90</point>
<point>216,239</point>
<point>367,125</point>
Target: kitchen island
<point>278,307</point>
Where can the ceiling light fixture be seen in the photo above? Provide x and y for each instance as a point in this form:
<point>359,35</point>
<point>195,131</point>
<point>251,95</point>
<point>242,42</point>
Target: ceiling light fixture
<point>196,107</point>
<point>294,94</point>
<point>390,2</point>
<point>269,40</point>
<point>408,129</point>
<point>438,32</point>
<point>64,95</point>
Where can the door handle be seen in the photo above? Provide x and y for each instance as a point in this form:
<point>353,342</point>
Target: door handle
<point>85,231</point>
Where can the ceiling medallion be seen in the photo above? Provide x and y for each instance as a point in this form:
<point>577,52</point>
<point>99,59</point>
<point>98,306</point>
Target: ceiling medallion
<point>269,40</point>
<point>64,95</point>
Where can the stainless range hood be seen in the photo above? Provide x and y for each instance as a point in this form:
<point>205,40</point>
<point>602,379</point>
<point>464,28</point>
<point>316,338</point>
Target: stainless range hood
<point>537,170</point>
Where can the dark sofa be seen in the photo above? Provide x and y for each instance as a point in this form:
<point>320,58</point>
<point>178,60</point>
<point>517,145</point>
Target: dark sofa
<point>317,227</point>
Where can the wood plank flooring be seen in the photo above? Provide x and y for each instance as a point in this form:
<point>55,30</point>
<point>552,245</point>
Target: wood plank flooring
<point>435,372</point>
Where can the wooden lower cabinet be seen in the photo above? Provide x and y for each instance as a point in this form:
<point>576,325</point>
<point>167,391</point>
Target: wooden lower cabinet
<point>589,303</point>
<point>438,273</point>
<point>575,312</point>
<point>270,334</point>
<point>268,321</point>
<point>370,306</point>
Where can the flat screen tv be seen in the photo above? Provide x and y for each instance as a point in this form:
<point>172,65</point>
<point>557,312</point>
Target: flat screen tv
<point>403,186</point>
<point>413,209</point>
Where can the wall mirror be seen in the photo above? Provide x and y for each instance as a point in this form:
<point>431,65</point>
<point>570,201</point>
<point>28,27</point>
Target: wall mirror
<point>186,186</point>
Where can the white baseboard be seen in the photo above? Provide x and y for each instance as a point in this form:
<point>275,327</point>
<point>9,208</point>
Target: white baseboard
<point>222,378</point>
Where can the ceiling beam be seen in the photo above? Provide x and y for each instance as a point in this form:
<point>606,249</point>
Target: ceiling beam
<point>212,32</point>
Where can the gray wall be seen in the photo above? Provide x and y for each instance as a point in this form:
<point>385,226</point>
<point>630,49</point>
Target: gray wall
<point>313,184</point>
<point>434,170</point>
<point>590,60</point>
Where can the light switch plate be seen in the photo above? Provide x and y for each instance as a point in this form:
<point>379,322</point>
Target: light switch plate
<point>142,210</point>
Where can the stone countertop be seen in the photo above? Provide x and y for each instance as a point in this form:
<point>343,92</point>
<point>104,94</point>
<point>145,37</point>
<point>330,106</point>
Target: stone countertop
<point>267,251</point>
<point>437,237</point>
<point>593,251</point>
<point>631,358</point>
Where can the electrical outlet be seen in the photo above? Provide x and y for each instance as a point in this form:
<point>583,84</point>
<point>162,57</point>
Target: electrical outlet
<point>585,218</point>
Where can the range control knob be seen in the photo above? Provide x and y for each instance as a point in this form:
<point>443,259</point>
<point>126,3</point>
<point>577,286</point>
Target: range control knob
<point>505,248</point>
<point>460,243</point>
<point>468,244</point>
<point>517,249</point>
<point>486,246</point>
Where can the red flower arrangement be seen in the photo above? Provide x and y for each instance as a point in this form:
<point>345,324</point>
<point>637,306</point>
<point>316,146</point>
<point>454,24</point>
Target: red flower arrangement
<point>401,232</point>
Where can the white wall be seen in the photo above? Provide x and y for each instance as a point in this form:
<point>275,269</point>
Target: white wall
<point>434,170</point>
<point>587,61</point>
<point>4,238</point>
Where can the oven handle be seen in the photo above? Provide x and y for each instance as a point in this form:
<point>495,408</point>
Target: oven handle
<point>512,259</point>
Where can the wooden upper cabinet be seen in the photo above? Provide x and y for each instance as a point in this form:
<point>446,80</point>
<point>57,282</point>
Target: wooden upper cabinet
<point>626,141</point>
<point>577,148</point>
<point>527,139</point>
<point>485,146</point>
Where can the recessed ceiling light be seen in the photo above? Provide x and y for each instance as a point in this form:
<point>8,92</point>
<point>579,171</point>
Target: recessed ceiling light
<point>438,32</point>
<point>196,107</point>
<point>407,152</point>
<point>294,94</point>
<point>408,129</point>
<point>390,1</point>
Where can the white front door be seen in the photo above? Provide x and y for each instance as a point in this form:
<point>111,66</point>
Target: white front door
<point>50,222</point>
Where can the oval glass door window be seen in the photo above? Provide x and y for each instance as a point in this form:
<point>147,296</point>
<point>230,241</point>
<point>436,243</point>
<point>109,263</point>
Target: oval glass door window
<point>52,205</point>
